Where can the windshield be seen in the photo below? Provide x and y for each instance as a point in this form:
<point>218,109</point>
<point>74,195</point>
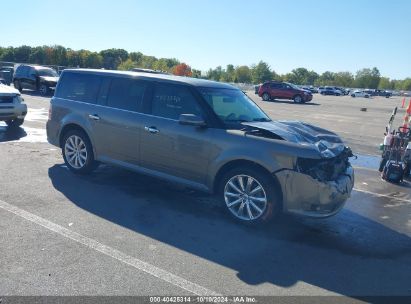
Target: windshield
<point>293,86</point>
<point>233,106</point>
<point>47,72</point>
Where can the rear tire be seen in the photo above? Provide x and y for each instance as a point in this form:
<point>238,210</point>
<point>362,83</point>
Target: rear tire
<point>15,123</point>
<point>255,200</point>
<point>266,97</point>
<point>78,152</point>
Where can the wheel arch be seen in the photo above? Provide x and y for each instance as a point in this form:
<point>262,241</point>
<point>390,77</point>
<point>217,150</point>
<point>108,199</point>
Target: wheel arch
<point>245,163</point>
<point>73,126</point>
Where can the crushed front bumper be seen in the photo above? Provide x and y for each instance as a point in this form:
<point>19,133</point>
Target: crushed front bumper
<point>307,196</point>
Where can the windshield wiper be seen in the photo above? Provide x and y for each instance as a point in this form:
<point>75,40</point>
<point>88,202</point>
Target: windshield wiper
<point>236,120</point>
<point>262,119</point>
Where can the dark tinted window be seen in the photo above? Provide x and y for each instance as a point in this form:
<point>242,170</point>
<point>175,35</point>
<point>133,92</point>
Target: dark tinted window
<point>79,87</point>
<point>169,101</point>
<point>126,94</point>
<point>22,70</point>
<point>275,85</point>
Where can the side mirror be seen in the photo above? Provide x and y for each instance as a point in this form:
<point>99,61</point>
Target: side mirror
<point>192,120</point>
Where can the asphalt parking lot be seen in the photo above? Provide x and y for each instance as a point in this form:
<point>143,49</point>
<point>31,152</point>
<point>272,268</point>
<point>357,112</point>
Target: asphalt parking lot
<point>119,233</point>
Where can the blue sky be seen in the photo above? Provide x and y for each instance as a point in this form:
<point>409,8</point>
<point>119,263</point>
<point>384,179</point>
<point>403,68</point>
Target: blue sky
<point>336,35</point>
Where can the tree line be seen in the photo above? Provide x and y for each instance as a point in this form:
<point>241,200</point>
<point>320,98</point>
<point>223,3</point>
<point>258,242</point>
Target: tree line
<point>119,59</point>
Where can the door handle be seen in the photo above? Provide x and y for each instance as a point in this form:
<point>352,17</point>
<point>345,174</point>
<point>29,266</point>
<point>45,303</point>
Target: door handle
<point>152,130</point>
<point>94,116</point>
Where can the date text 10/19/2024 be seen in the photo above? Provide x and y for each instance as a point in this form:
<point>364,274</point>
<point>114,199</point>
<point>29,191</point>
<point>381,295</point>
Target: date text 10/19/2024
<point>202,299</point>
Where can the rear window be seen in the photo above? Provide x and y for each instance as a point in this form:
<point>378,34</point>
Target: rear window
<point>79,87</point>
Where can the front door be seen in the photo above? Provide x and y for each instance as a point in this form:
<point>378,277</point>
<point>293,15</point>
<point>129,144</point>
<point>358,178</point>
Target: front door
<point>167,147</point>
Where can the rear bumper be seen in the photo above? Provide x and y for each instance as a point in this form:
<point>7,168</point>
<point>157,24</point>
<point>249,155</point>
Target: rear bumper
<point>307,196</point>
<point>53,133</point>
<point>10,111</point>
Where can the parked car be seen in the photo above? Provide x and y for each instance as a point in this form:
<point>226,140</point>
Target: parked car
<point>283,90</point>
<point>203,134</point>
<point>373,92</point>
<point>12,108</point>
<point>330,91</point>
<point>257,88</point>
<point>6,73</point>
<point>359,93</point>
<point>33,77</point>
<point>343,91</point>
<point>384,93</point>
<point>310,88</point>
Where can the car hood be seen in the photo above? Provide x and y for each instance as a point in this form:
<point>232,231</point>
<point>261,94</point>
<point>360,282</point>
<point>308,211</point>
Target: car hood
<point>327,143</point>
<point>50,78</point>
<point>8,91</point>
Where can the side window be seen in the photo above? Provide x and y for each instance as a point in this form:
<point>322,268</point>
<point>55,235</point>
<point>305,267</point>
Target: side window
<point>31,71</point>
<point>24,71</point>
<point>126,94</point>
<point>79,87</point>
<point>170,101</point>
<point>104,90</point>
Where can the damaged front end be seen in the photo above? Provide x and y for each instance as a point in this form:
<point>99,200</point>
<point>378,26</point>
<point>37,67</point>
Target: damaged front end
<point>317,187</point>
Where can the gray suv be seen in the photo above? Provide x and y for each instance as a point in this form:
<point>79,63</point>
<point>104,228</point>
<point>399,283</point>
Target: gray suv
<point>203,134</point>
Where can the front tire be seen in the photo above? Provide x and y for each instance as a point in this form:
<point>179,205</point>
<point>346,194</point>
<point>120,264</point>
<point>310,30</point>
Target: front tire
<point>298,99</point>
<point>78,152</point>
<point>43,89</point>
<point>17,85</point>
<point>14,123</point>
<point>266,97</point>
<point>250,195</point>
<point>383,162</point>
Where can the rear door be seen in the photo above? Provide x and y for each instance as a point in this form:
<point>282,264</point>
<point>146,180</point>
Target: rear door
<point>24,77</point>
<point>275,90</point>
<point>167,147</point>
<point>31,79</point>
<point>118,122</point>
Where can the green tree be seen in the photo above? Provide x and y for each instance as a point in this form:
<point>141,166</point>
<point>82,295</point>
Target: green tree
<point>196,73</point>
<point>368,78</point>
<point>242,74</point>
<point>22,53</point>
<point>147,62</point>
<point>344,79</point>
<point>260,72</point>
<point>127,65</point>
<point>302,76</point>
<point>326,78</point>
<point>8,54</point>
<point>406,84</point>
<point>94,60</point>
<point>385,84</point>
<point>113,57</point>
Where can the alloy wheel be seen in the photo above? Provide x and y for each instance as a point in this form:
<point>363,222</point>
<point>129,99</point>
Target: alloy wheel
<point>245,197</point>
<point>75,151</point>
